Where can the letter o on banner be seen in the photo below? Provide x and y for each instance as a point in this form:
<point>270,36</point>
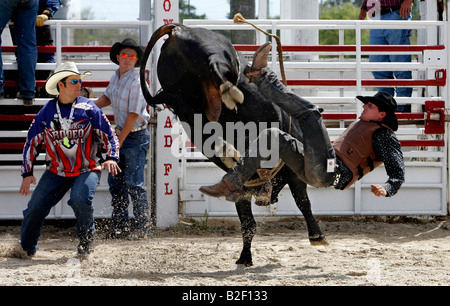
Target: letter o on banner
<point>167,5</point>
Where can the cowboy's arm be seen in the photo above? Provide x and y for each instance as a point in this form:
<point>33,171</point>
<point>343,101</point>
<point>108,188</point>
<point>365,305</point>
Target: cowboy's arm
<point>388,148</point>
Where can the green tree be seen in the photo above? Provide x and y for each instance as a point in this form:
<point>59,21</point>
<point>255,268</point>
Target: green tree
<point>345,11</point>
<point>101,36</point>
<point>187,11</point>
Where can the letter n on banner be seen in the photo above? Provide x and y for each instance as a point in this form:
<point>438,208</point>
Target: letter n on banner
<point>167,142</point>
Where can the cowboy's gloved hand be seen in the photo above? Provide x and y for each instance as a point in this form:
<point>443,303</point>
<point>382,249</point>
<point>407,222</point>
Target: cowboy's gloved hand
<point>42,18</point>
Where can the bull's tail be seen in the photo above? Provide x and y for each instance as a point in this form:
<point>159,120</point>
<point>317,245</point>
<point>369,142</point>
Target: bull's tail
<point>160,32</point>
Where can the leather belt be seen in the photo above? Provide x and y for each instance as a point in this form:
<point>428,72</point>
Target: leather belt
<point>388,10</point>
<point>142,127</point>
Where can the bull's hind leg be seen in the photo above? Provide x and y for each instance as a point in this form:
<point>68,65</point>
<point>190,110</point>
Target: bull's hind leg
<point>248,228</point>
<point>298,190</point>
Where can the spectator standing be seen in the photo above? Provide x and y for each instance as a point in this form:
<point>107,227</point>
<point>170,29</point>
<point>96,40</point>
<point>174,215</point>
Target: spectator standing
<point>46,11</point>
<point>390,10</point>
<point>130,112</point>
<point>24,14</point>
<point>74,130</point>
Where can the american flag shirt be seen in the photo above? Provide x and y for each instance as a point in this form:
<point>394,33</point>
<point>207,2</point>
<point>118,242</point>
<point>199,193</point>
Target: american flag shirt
<point>75,150</point>
<point>384,3</point>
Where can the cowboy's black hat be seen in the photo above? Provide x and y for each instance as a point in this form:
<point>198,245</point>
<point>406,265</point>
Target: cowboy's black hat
<point>126,43</point>
<point>386,103</point>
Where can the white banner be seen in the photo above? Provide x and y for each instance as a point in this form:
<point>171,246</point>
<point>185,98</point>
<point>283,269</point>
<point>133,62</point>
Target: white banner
<point>167,164</point>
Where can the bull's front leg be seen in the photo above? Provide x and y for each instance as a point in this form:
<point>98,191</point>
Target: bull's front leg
<point>299,192</point>
<point>248,228</point>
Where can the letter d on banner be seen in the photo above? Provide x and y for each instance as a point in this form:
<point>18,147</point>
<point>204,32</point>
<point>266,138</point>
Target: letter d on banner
<point>167,133</point>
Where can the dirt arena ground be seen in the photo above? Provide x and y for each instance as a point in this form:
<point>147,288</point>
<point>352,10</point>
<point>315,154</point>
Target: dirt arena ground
<point>362,251</point>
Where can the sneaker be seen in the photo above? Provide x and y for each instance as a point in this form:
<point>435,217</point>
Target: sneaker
<point>26,101</point>
<point>18,252</point>
<point>84,249</point>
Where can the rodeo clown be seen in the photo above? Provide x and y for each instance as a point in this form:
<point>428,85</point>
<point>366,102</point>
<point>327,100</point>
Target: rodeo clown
<point>74,131</point>
<point>366,144</point>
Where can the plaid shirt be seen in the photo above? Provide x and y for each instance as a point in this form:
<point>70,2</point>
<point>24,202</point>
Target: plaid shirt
<point>126,97</point>
<point>384,4</point>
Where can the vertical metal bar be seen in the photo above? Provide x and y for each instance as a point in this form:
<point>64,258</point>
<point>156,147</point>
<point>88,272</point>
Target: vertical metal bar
<point>274,48</point>
<point>358,191</point>
<point>446,96</point>
<point>58,43</point>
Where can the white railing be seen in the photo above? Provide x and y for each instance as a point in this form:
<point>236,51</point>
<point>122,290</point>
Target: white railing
<point>11,203</point>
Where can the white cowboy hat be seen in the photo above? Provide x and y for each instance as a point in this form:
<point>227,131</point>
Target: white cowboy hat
<point>65,70</point>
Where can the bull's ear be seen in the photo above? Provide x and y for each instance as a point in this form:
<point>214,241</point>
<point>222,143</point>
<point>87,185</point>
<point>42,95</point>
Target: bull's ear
<point>213,105</point>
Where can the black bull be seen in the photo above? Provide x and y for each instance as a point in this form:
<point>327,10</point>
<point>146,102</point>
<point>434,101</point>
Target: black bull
<point>193,64</point>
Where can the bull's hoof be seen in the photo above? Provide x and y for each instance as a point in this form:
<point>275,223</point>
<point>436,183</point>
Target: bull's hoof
<point>321,240</point>
<point>244,262</point>
<point>245,258</point>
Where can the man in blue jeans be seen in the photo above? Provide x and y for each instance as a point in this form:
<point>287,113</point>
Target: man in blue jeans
<point>24,14</point>
<point>130,113</point>
<point>74,131</point>
<point>390,10</point>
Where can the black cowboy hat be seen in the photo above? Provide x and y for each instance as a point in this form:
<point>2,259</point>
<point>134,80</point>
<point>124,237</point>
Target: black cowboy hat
<point>386,103</point>
<point>126,43</point>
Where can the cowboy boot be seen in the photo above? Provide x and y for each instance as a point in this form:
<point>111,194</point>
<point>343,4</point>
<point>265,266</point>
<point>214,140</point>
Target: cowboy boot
<point>260,61</point>
<point>223,189</point>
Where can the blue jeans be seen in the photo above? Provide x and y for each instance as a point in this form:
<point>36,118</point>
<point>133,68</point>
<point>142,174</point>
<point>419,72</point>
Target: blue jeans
<point>130,182</point>
<point>49,191</point>
<point>392,37</point>
<point>24,24</point>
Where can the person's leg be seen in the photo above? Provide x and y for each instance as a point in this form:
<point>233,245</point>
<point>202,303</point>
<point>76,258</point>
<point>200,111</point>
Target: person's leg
<point>377,37</point>
<point>119,201</point>
<point>270,86</point>
<point>24,23</point>
<point>290,150</point>
<point>6,10</point>
<point>400,37</point>
<point>135,148</point>
<point>81,201</point>
<point>318,151</point>
<point>49,191</point>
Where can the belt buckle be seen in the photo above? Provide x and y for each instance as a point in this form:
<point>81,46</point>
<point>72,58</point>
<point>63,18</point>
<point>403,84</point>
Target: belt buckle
<point>117,130</point>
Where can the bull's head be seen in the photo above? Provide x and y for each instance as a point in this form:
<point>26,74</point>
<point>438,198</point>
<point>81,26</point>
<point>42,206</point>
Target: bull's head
<point>201,63</point>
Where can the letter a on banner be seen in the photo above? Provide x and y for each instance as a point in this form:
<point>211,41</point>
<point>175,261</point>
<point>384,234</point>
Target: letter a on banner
<point>167,131</point>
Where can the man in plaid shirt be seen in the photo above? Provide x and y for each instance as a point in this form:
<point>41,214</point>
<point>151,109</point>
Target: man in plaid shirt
<point>390,10</point>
